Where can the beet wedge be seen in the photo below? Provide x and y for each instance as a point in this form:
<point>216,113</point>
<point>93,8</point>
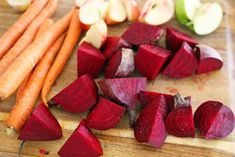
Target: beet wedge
<point>209,59</point>
<point>121,64</point>
<point>147,97</point>
<point>82,143</point>
<point>175,38</point>
<point>214,120</point>
<point>123,90</point>
<point>150,60</point>
<point>180,121</point>
<point>41,126</point>
<point>113,44</point>
<point>141,33</point>
<point>105,115</point>
<point>150,127</point>
<point>89,60</point>
<point>77,97</point>
<point>183,64</point>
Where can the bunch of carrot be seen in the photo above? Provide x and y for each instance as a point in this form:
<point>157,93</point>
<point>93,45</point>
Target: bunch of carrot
<point>33,52</point>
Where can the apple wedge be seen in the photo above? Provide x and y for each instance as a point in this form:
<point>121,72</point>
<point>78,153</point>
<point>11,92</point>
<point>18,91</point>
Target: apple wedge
<point>116,12</point>
<point>132,9</point>
<point>97,34</point>
<point>80,3</point>
<point>157,12</point>
<point>19,5</point>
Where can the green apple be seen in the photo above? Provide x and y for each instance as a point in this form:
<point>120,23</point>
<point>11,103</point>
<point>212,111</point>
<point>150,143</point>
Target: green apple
<point>186,10</point>
<point>208,18</point>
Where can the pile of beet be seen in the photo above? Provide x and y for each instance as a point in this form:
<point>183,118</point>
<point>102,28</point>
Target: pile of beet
<point>161,114</point>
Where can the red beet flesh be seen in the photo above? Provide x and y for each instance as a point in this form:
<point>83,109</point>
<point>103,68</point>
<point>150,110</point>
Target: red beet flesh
<point>77,97</point>
<point>150,127</point>
<point>121,64</point>
<point>82,143</point>
<point>89,60</point>
<point>214,120</point>
<point>175,38</point>
<point>141,33</point>
<point>123,90</point>
<point>180,121</point>
<point>209,59</point>
<point>183,64</point>
<point>150,59</point>
<point>105,115</point>
<point>41,126</point>
<point>113,44</point>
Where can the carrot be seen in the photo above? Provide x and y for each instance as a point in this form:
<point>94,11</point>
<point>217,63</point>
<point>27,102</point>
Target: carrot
<point>11,79</point>
<point>69,44</point>
<point>28,36</point>
<point>43,27</point>
<point>17,29</point>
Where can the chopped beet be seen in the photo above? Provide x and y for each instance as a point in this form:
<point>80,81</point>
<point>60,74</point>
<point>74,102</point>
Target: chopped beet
<point>77,97</point>
<point>82,143</point>
<point>175,38</point>
<point>41,126</point>
<point>183,64</point>
<point>123,90</point>
<point>89,60</point>
<point>105,115</point>
<point>141,33</point>
<point>150,60</point>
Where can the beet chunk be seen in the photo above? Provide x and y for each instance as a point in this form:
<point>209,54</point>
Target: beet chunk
<point>183,64</point>
<point>141,33</point>
<point>41,126</point>
<point>82,143</point>
<point>89,60</point>
<point>105,115</point>
<point>150,59</point>
<point>123,90</point>
<point>77,97</point>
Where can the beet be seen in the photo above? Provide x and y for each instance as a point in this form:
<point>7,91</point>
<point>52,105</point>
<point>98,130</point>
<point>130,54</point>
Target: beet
<point>209,59</point>
<point>112,45</point>
<point>123,90</point>
<point>77,97</point>
<point>214,120</point>
<point>150,59</point>
<point>175,38</point>
<point>146,97</point>
<point>150,127</point>
<point>89,60</point>
<point>41,126</point>
<point>183,64</point>
<point>121,64</point>
<point>105,115</point>
<point>180,121</point>
<point>141,33</point>
<point>82,143</point>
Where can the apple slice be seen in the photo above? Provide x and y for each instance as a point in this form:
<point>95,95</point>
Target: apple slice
<point>208,18</point>
<point>157,12</point>
<point>186,10</point>
<point>19,5</point>
<point>80,3</point>
<point>97,34</point>
<point>132,9</point>
<point>116,12</point>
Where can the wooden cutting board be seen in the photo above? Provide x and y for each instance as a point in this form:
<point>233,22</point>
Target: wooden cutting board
<point>120,142</point>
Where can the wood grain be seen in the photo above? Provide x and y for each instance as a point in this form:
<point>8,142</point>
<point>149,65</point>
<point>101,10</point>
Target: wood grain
<point>119,142</point>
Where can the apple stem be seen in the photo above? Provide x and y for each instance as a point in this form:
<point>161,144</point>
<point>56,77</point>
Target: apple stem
<point>180,101</point>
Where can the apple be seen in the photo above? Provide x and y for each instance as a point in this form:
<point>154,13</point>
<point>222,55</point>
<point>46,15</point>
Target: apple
<point>80,3</point>
<point>19,5</point>
<point>208,18</point>
<point>132,9</point>
<point>157,12</point>
<point>97,34</point>
<point>186,10</point>
<point>116,12</point>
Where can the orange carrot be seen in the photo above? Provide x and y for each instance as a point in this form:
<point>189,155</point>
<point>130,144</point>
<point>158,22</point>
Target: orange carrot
<point>24,105</point>
<point>17,29</point>
<point>69,44</point>
<point>43,27</point>
<point>11,79</point>
<point>28,36</point>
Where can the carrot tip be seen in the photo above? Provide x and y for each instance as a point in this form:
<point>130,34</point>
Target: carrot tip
<point>11,131</point>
